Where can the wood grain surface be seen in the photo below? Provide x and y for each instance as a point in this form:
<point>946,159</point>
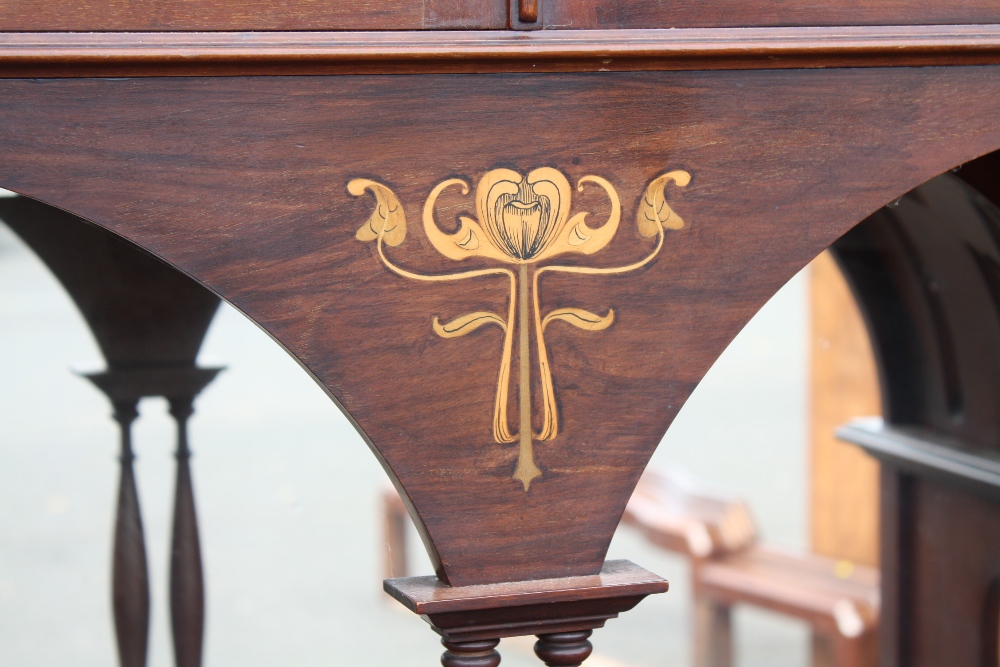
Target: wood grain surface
<point>242,183</point>
<point>926,272</point>
<point>63,54</point>
<point>618,578</point>
<point>149,15</point>
<point>580,14</point>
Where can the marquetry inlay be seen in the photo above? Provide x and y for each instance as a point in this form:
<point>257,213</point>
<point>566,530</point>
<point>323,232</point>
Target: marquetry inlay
<point>521,222</point>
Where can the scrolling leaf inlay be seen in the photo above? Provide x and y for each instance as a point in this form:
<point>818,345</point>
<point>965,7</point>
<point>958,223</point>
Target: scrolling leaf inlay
<point>520,222</point>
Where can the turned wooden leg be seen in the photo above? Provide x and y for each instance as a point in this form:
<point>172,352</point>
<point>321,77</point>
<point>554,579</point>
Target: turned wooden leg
<point>470,654</point>
<point>130,575</point>
<point>187,590</point>
<point>564,649</point>
<point>713,634</point>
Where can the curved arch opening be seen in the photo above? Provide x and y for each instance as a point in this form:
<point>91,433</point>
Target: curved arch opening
<point>952,396</point>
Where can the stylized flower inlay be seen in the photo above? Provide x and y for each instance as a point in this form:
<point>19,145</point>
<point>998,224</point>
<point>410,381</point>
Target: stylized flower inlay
<point>522,220</point>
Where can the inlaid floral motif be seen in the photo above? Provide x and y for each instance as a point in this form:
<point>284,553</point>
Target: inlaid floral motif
<point>521,221</point>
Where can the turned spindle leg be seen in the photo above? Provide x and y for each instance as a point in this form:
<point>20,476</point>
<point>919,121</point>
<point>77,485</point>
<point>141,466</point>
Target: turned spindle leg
<point>564,649</point>
<point>471,654</point>
<point>187,593</point>
<point>130,578</point>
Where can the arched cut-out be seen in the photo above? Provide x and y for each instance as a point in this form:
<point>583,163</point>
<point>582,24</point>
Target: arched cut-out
<point>253,203</point>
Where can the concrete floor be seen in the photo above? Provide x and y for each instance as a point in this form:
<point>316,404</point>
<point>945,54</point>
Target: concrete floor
<point>287,499</point>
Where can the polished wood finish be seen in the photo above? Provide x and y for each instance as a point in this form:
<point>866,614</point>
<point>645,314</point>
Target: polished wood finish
<point>228,15</point>
<point>940,508</point>
<point>513,609</point>
<point>125,387</point>
<point>931,303</point>
<point>324,53</point>
<point>129,568</point>
<point>930,454</point>
<point>480,653</point>
<point>527,11</point>
<point>164,15</point>
<point>564,649</point>
<point>590,14</point>
<point>289,258</point>
<point>924,271</point>
<point>244,184</point>
<point>180,385</point>
<point>187,587</point>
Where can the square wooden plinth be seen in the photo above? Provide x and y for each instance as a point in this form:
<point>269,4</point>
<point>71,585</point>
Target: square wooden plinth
<point>512,609</point>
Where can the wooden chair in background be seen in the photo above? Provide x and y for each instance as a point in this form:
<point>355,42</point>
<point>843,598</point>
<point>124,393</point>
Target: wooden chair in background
<point>838,600</point>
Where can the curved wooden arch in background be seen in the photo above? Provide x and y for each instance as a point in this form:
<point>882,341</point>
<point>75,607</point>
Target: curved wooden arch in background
<point>926,275</point>
<point>241,183</point>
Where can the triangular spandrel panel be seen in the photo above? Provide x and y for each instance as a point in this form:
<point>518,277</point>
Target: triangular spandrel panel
<point>246,185</point>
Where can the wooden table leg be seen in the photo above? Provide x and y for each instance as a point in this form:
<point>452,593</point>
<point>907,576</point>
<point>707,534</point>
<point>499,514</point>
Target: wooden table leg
<point>713,634</point>
<point>187,589</point>
<point>130,587</point>
<point>564,649</point>
<point>480,653</point>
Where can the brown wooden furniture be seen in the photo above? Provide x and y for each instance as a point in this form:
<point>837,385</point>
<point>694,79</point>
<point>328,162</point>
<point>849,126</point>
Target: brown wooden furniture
<point>149,321</point>
<point>838,600</point>
<point>931,306</point>
<point>512,362</point>
<point>843,384</point>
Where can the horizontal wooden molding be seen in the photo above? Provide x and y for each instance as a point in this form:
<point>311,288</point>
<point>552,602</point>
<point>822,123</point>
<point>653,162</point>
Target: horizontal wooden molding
<point>925,451</point>
<point>273,53</point>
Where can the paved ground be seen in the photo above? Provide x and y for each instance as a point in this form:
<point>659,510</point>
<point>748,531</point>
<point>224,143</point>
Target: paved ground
<point>286,494</point>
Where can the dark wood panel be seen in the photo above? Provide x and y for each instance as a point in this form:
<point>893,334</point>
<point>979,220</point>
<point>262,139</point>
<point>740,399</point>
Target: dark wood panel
<point>925,270</point>
<point>580,14</point>
<point>285,53</point>
<point>143,15</point>
<point>243,183</point>
<point>927,273</point>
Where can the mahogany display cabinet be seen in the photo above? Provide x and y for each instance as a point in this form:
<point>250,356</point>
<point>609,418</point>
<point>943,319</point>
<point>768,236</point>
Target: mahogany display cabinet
<point>508,240</point>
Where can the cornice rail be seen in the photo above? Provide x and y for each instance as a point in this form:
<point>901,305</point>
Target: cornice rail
<point>272,53</point>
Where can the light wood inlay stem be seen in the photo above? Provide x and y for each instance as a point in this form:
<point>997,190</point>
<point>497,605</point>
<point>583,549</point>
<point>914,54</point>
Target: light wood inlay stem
<point>526,468</point>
